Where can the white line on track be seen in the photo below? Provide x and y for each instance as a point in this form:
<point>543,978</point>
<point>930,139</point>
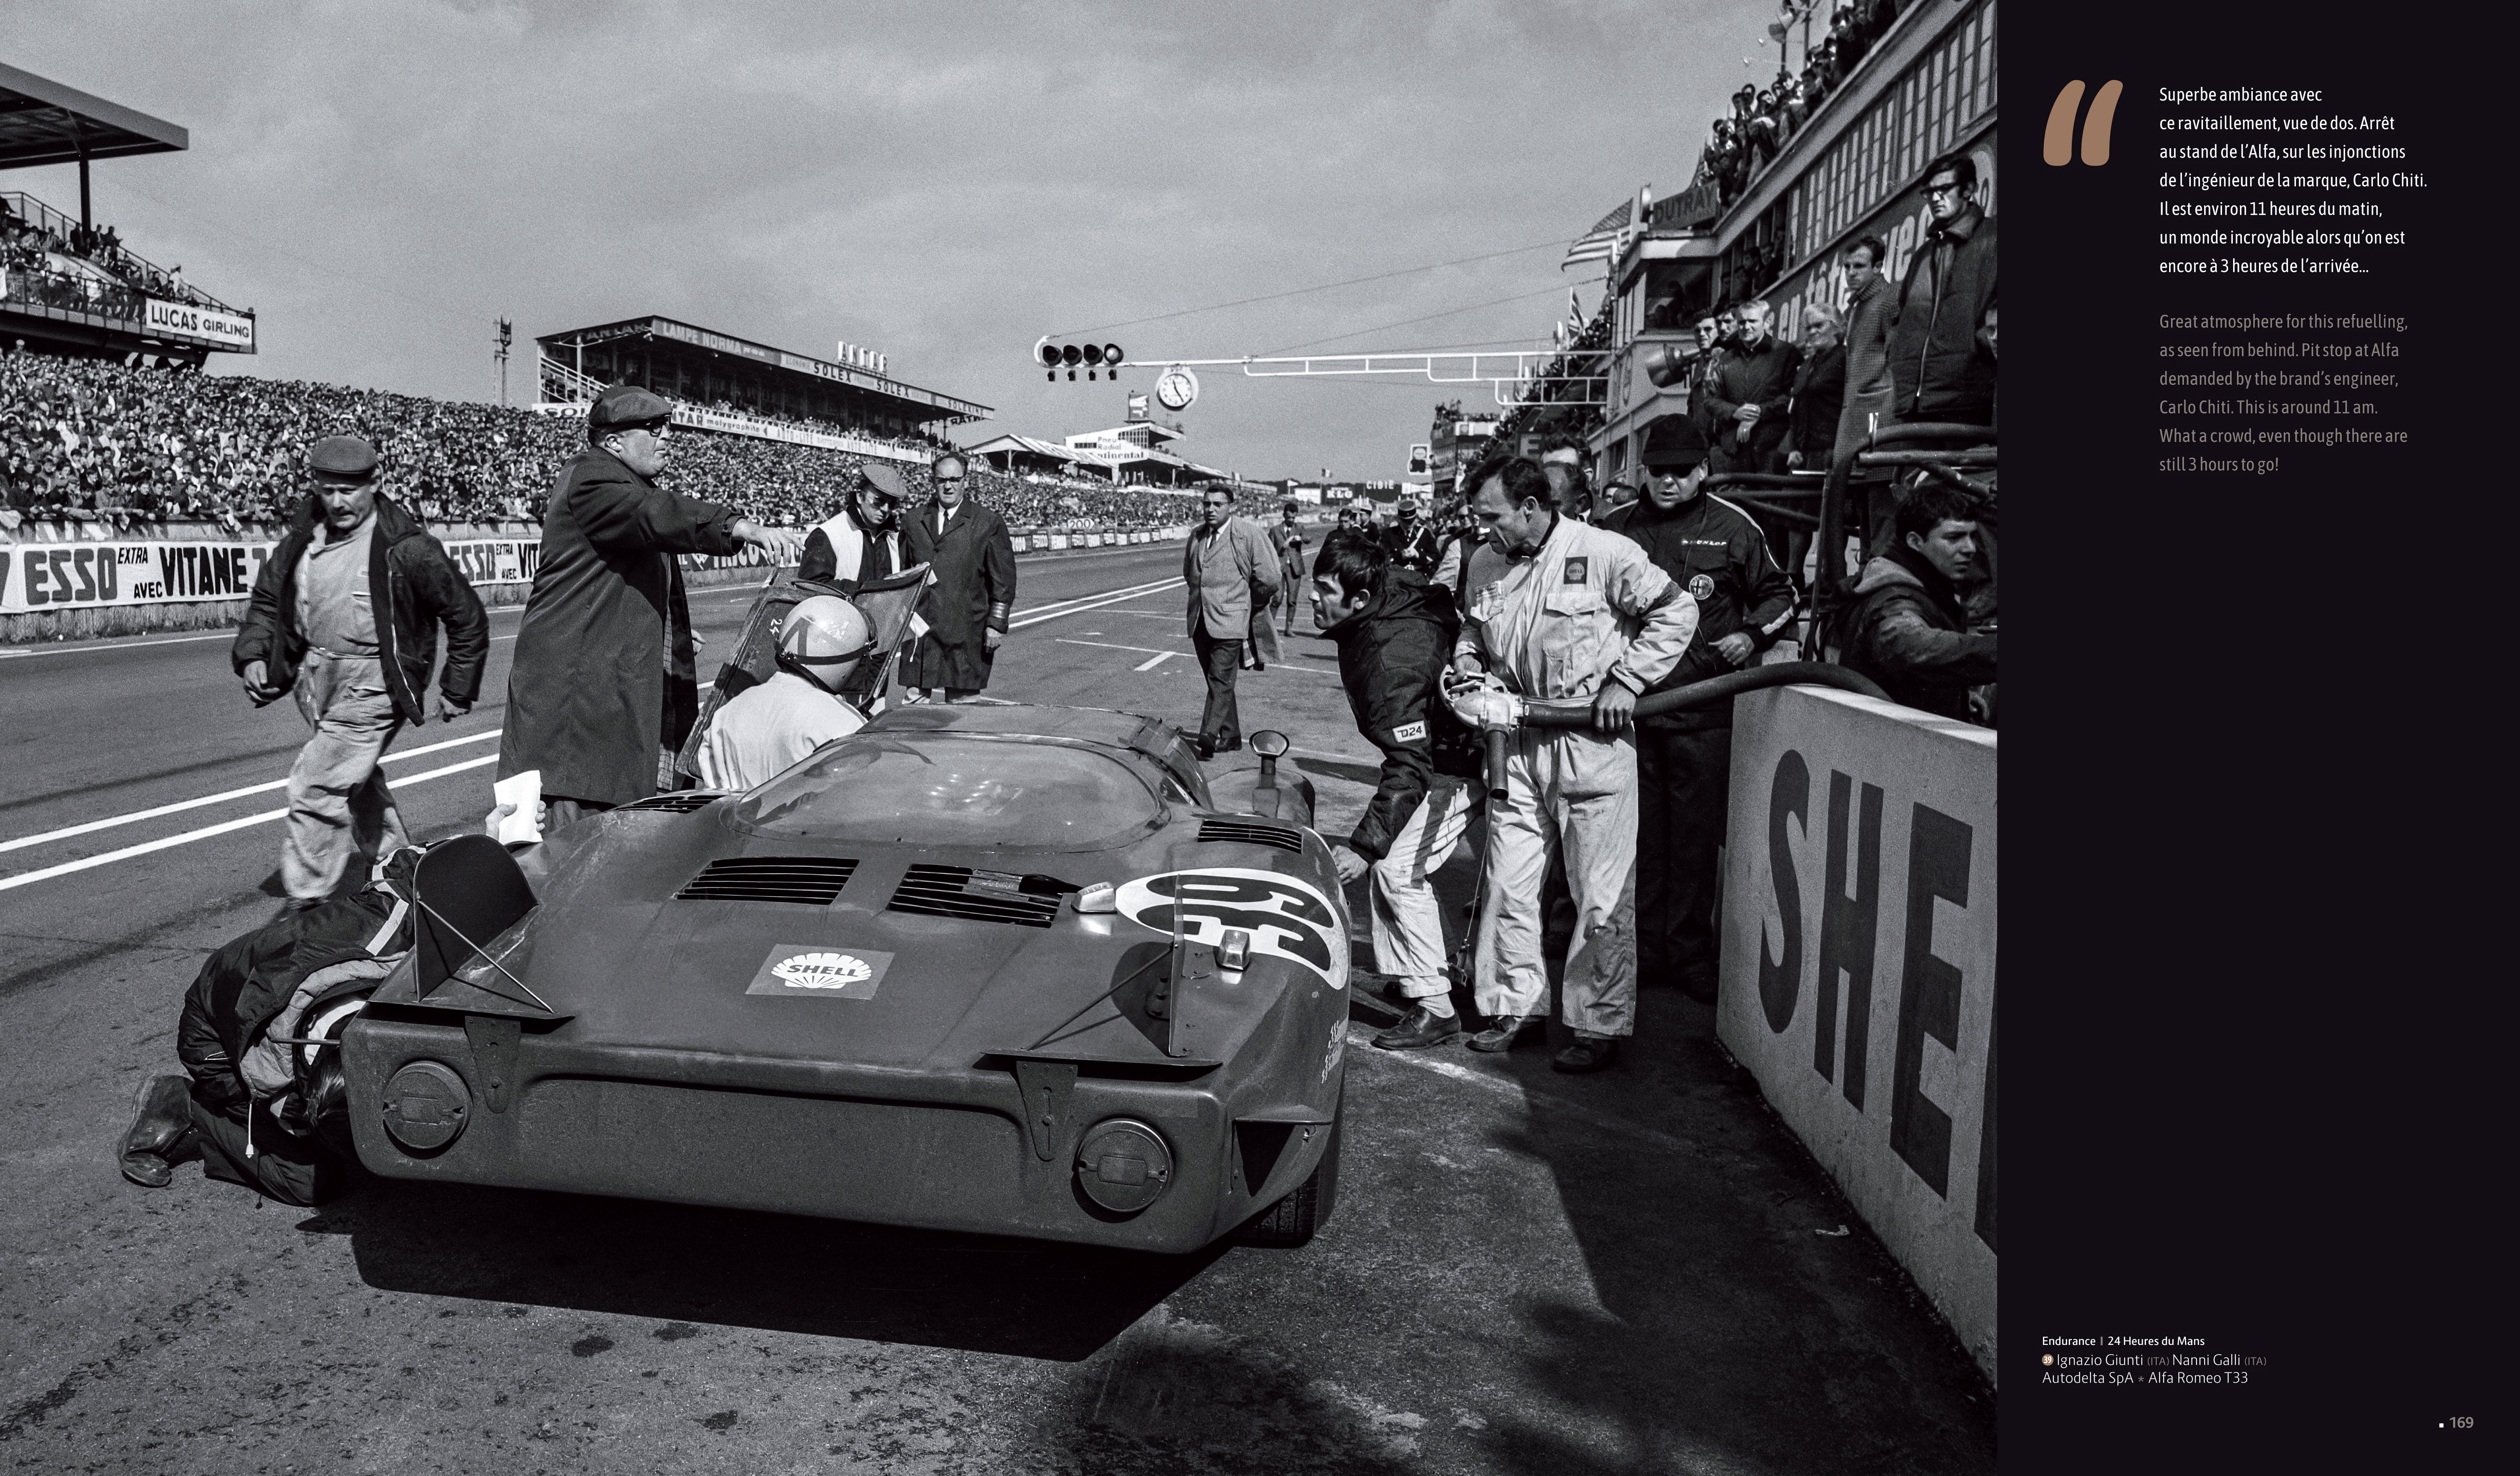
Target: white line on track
<point>1092,602</point>
<point>1155,660</point>
<point>1537,1101</point>
<point>108,823</point>
<point>206,832</point>
<point>1144,650</point>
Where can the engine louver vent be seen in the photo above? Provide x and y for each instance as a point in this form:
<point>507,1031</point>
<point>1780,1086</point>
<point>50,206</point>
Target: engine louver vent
<point>807,881</point>
<point>683,802</point>
<point>1251,832</point>
<point>958,891</point>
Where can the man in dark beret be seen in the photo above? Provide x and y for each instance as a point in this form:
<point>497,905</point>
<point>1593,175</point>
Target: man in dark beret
<point>603,688</point>
<point>348,621</point>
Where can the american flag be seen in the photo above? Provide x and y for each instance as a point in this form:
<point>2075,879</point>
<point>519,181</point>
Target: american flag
<point>1601,241</point>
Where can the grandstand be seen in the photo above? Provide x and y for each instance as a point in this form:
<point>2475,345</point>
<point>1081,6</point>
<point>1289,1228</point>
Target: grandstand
<point>721,382</point>
<point>68,286</point>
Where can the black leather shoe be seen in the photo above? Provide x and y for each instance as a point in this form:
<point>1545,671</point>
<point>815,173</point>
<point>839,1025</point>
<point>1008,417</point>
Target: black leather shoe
<point>1508,1031</point>
<point>1586,1056</point>
<point>1421,1026</point>
<point>160,1130</point>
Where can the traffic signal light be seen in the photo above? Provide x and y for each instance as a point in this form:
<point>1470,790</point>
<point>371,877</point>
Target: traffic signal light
<point>1099,358</point>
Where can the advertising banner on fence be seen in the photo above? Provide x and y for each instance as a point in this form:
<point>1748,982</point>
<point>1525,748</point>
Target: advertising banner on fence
<point>1859,949</point>
<point>38,576</point>
<point>200,324</point>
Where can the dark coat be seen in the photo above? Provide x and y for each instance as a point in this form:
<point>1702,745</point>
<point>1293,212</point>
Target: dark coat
<point>1868,363</point>
<point>975,564</point>
<point>1412,546</point>
<point>1939,367</point>
<point>1392,655</point>
<point>1717,553</point>
<point>604,672</point>
<point>1907,631</point>
<point>1763,377</point>
<point>422,590</point>
<point>1820,397</point>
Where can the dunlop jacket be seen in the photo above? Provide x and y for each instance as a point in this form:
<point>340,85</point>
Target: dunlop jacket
<point>1716,552</point>
<point>1391,658</point>
<point>974,563</point>
<point>1907,631</point>
<point>603,673</point>
<point>1939,366</point>
<point>1587,606</point>
<point>422,589</point>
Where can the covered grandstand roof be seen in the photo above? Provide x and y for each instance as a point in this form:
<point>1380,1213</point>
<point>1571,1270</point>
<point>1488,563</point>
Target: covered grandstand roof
<point>921,405</point>
<point>43,122</point>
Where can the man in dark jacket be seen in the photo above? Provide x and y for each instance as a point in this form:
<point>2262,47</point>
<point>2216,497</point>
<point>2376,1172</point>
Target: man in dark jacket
<point>967,546</point>
<point>1716,552</point>
<point>603,689</point>
<point>1906,627</point>
<point>349,623</point>
<point>1410,538</point>
<point>1394,632</point>
<point>1747,396</point>
<point>1820,393</point>
<point>1940,366</point>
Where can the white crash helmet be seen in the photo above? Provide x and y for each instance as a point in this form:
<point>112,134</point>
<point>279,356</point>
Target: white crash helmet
<point>824,639</point>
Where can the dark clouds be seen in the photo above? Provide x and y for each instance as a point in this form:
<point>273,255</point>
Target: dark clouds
<point>941,182</point>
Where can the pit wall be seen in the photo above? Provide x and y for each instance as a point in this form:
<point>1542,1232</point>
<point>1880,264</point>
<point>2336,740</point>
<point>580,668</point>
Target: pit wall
<point>1859,966</point>
<point>70,581</point>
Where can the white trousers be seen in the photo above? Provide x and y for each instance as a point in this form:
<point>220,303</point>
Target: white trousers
<point>1573,797</point>
<point>1408,920</point>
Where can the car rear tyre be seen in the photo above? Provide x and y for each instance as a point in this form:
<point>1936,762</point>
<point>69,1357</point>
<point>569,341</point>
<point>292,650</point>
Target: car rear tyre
<point>1292,1220</point>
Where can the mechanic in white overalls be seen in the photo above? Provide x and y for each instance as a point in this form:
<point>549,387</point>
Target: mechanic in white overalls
<point>1576,612</point>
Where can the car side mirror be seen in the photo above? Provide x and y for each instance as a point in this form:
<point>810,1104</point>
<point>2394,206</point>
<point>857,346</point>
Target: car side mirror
<point>1270,746</point>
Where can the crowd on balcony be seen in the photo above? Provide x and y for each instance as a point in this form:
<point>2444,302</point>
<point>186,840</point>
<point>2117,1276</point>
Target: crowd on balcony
<point>98,441</point>
<point>28,245</point>
<point>1744,140</point>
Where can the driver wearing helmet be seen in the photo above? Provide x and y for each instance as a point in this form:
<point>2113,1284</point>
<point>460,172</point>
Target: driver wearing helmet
<point>768,728</point>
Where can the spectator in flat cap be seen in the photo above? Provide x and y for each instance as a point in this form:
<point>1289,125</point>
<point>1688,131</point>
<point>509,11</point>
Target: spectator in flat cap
<point>317,626</point>
<point>603,688</point>
<point>1716,552</point>
<point>863,540</point>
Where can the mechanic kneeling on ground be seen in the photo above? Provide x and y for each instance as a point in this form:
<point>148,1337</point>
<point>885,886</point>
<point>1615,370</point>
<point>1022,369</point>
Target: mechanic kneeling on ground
<point>1685,759</point>
<point>254,1108</point>
<point>1576,612</point>
<point>769,727</point>
<point>1394,632</point>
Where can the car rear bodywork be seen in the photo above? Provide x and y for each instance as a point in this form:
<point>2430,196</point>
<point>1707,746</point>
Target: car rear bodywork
<point>773,1002</point>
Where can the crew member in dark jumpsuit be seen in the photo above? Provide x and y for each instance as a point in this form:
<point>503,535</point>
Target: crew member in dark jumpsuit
<point>1719,555</point>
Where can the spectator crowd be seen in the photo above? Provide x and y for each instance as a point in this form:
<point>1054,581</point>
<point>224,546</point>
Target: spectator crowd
<point>94,440</point>
<point>1743,142</point>
<point>42,252</point>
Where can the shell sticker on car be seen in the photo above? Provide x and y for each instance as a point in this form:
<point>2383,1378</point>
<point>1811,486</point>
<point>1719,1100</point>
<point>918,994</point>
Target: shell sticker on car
<point>817,971</point>
<point>1286,918</point>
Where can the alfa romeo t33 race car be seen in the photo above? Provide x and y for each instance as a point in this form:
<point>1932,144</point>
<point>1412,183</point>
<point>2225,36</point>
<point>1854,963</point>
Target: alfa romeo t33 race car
<point>1007,969</point>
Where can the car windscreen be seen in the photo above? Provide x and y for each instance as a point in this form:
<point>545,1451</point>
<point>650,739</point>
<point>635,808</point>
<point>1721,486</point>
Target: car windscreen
<point>954,790</point>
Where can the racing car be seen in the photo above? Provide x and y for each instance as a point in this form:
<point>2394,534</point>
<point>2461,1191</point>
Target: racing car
<point>996,969</point>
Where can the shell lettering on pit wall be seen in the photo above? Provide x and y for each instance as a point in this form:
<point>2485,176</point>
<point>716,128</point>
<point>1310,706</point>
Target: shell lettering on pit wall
<point>1286,918</point>
<point>822,970</point>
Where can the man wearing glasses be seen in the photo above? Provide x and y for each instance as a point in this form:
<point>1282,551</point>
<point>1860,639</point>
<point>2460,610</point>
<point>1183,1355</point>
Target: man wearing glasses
<point>1941,368</point>
<point>967,546</point>
<point>863,540</point>
<point>602,690</point>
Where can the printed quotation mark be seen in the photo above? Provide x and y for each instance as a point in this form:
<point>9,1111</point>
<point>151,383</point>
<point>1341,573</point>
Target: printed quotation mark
<point>2057,146</point>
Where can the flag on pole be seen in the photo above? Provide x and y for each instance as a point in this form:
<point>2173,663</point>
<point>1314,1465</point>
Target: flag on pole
<point>1574,312</point>
<point>1601,241</point>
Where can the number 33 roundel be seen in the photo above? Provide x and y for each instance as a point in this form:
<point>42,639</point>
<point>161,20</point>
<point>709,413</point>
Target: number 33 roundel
<point>1285,917</point>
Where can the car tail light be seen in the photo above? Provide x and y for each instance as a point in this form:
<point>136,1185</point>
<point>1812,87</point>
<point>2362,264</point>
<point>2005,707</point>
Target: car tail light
<point>1123,1165</point>
<point>425,1105</point>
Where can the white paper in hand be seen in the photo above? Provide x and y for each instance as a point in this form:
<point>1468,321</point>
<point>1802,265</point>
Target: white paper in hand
<point>524,791</point>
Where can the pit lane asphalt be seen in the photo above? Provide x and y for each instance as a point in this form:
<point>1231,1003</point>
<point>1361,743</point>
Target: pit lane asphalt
<point>1527,1272</point>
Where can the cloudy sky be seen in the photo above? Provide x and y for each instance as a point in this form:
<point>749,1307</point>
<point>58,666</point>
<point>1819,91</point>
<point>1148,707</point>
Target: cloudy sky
<point>944,183</point>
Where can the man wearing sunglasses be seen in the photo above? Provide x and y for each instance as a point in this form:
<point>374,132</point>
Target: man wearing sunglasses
<point>603,688</point>
<point>1940,368</point>
<point>863,540</point>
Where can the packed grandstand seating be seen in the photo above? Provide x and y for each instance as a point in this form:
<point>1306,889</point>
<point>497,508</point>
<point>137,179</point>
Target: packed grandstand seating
<point>1741,143</point>
<point>32,236</point>
<point>96,440</point>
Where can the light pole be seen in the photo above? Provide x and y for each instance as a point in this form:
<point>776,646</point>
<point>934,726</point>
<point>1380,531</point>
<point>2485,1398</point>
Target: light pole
<point>506,336</point>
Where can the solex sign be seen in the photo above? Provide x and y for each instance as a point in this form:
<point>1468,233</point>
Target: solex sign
<point>1859,964</point>
<point>200,325</point>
